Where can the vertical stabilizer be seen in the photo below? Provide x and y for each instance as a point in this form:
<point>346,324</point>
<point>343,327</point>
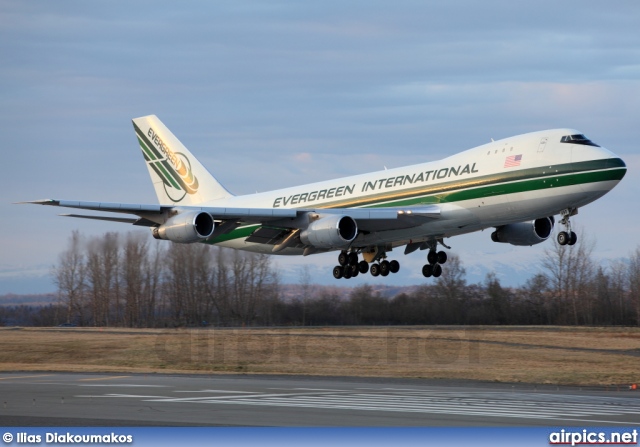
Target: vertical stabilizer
<point>177,176</point>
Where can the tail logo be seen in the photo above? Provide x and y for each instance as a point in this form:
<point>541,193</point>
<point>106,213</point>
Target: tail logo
<point>174,168</point>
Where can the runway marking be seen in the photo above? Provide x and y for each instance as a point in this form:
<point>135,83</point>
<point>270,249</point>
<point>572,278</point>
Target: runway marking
<point>242,397</point>
<point>564,407</point>
<point>217,391</point>
<point>25,377</point>
<point>319,389</point>
<point>102,378</point>
<point>136,396</point>
<point>462,406</point>
<point>114,385</point>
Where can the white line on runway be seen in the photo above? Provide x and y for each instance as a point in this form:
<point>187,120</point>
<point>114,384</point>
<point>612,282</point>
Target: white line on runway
<point>216,391</point>
<point>565,407</point>
<point>115,385</point>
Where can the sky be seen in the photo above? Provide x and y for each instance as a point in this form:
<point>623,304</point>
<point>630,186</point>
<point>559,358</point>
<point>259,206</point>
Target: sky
<point>276,94</point>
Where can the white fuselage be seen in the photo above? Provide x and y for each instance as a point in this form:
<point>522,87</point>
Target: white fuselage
<point>475,189</point>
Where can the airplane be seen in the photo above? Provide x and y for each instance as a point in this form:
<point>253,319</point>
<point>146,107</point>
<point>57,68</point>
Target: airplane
<point>515,185</point>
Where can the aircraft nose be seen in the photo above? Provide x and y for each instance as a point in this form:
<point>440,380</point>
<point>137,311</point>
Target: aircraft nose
<point>614,163</point>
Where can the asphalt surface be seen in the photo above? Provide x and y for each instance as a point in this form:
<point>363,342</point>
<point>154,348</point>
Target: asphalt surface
<point>62,399</point>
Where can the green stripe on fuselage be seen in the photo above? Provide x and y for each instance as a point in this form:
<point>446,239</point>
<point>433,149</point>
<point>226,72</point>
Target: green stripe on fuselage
<point>491,185</point>
<point>495,184</point>
<point>238,233</point>
<point>507,188</point>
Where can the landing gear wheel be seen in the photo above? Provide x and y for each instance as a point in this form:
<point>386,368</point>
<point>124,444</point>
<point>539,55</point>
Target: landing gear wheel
<point>442,257</point>
<point>337,272</point>
<point>432,257</point>
<point>375,269</point>
<point>427,270</point>
<point>437,270</point>
<point>394,266</point>
<point>343,258</point>
<point>346,272</point>
<point>353,268</point>
<point>363,266</point>
<point>353,258</point>
<point>567,237</point>
<point>563,238</point>
<point>384,268</point>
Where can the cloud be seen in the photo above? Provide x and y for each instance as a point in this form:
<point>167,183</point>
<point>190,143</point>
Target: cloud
<point>303,157</point>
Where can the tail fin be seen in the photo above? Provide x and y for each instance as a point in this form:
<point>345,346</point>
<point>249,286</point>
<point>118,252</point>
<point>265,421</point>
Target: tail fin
<point>177,176</point>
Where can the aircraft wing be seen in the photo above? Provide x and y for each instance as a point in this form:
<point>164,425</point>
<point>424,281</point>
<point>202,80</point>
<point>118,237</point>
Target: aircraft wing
<point>381,219</point>
<point>368,219</point>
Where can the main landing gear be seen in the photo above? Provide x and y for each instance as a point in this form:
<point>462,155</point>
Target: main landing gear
<point>350,267</point>
<point>434,266</point>
<point>435,261</point>
<point>567,237</point>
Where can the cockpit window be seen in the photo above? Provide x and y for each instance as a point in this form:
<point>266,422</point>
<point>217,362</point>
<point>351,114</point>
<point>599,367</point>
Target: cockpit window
<point>578,139</point>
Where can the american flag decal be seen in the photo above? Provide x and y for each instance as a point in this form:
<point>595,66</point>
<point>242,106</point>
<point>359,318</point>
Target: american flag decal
<point>512,160</point>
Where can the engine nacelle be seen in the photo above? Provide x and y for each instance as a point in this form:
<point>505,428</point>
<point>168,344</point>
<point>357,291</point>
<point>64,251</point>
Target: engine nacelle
<point>185,228</point>
<point>330,232</point>
<point>524,233</point>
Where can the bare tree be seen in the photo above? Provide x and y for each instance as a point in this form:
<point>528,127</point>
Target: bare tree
<point>241,286</point>
<point>69,275</point>
<point>102,276</point>
<point>535,293</point>
<point>251,279</point>
<point>570,271</point>
<point>451,287</point>
<point>634,283</point>
<point>189,271</point>
<point>305,290</point>
<point>133,271</point>
<point>152,284</point>
<point>499,300</point>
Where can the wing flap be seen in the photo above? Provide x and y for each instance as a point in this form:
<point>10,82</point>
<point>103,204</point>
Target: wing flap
<point>267,235</point>
<point>250,215</point>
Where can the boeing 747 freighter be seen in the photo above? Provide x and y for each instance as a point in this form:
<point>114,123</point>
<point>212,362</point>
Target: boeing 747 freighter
<point>515,185</point>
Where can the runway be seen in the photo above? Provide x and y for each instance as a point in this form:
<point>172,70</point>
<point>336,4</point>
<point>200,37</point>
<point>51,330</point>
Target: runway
<point>62,399</point>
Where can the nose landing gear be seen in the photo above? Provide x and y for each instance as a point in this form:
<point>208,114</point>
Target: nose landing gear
<point>567,237</point>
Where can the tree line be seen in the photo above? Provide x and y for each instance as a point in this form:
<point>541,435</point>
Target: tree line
<point>132,281</point>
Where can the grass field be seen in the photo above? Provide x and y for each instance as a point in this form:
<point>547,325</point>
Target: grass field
<point>556,355</point>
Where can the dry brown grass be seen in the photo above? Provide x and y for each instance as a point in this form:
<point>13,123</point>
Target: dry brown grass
<point>561,355</point>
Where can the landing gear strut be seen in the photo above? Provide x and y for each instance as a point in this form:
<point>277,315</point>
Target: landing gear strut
<point>567,237</point>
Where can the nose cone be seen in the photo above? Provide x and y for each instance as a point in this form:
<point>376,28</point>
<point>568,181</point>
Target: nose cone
<point>623,167</point>
<point>615,164</point>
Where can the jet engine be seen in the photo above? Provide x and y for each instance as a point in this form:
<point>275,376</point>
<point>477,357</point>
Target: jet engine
<point>330,232</point>
<point>524,233</point>
<point>192,226</point>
